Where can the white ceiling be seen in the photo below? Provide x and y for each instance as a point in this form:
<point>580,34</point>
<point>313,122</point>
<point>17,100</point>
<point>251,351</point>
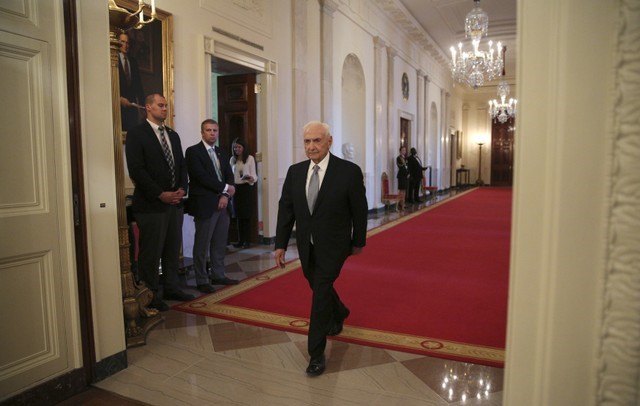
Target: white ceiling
<point>442,23</point>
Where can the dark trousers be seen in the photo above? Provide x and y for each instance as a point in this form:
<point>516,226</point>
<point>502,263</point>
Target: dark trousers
<point>243,230</point>
<point>160,240</point>
<point>325,303</point>
<point>413,194</point>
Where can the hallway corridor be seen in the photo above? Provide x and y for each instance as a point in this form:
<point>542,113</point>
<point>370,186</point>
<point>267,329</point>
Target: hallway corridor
<point>195,360</point>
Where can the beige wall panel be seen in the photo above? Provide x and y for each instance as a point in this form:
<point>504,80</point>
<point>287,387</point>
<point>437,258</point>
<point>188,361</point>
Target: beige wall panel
<point>36,320</point>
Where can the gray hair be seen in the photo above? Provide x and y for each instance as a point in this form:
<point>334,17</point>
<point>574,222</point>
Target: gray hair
<point>325,127</point>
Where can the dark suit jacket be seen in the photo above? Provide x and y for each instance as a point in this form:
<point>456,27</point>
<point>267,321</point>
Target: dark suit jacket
<point>339,220</point>
<point>415,167</point>
<point>132,91</point>
<point>149,170</point>
<point>204,186</point>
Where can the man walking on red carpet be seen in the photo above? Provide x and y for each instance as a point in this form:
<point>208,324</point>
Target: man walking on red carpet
<point>325,198</point>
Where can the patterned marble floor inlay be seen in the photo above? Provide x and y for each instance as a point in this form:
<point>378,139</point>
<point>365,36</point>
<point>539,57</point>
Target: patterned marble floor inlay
<point>196,360</point>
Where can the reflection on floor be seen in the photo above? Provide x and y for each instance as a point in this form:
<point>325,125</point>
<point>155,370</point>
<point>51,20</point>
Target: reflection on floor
<point>192,359</point>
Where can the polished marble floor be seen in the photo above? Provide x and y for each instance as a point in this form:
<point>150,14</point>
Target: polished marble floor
<point>197,360</point>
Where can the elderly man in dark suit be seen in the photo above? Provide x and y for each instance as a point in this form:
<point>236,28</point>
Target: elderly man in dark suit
<point>325,197</point>
<point>157,168</point>
<point>210,190</point>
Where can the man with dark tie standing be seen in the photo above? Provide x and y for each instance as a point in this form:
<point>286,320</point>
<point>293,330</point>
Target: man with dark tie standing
<point>325,198</point>
<point>210,190</point>
<point>157,168</point>
<point>131,91</point>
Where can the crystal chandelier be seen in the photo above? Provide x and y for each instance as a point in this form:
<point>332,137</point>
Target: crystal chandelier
<point>476,66</point>
<point>501,110</point>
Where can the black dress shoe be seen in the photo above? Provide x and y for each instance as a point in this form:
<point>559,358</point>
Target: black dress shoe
<point>336,326</point>
<point>159,305</point>
<point>206,288</point>
<point>178,295</point>
<point>316,366</point>
<point>224,281</point>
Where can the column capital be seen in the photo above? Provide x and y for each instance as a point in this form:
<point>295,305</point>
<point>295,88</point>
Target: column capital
<point>378,42</point>
<point>391,52</point>
<point>328,6</point>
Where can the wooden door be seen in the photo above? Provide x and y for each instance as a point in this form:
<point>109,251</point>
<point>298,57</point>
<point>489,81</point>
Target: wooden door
<point>502,139</point>
<point>237,119</point>
<point>39,319</point>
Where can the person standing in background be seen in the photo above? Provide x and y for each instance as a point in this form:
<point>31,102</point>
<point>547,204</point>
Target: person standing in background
<point>210,190</point>
<point>415,176</point>
<point>325,198</point>
<point>403,176</point>
<point>157,168</point>
<point>244,176</point>
<point>131,91</point>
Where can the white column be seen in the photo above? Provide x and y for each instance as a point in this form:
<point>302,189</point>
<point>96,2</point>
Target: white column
<point>268,129</point>
<point>440,156</point>
<point>392,119</point>
<point>328,7</point>
<point>447,142</point>
<point>300,114</point>
<point>421,133</point>
<point>380,150</point>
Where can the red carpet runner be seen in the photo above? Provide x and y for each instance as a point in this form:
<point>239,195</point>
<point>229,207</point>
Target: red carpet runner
<point>434,282</point>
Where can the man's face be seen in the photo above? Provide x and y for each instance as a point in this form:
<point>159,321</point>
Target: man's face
<point>124,43</point>
<point>210,133</point>
<point>317,143</point>
<point>157,111</point>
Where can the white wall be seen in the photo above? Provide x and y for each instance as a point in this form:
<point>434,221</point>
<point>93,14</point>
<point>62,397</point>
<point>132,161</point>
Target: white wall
<point>100,186</point>
<point>560,202</point>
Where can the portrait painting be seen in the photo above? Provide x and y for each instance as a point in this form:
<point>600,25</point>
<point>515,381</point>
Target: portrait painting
<point>151,51</point>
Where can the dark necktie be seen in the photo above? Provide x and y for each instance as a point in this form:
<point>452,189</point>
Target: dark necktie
<point>314,185</point>
<point>168,156</point>
<point>216,164</point>
<point>127,72</point>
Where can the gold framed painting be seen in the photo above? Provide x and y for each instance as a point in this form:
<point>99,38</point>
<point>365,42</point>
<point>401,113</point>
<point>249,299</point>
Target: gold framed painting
<point>151,50</point>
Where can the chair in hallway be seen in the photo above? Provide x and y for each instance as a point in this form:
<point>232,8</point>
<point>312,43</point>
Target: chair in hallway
<point>388,198</point>
<point>427,186</point>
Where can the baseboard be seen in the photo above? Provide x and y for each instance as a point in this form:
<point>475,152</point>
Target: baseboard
<point>51,392</point>
<point>67,385</point>
<point>110,365</point>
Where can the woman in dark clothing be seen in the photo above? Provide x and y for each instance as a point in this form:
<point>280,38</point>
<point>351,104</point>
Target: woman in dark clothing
<point>244,174</point>
<point>403,176</point>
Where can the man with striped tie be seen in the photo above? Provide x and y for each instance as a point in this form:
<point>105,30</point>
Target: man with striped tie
<point>157,168</point>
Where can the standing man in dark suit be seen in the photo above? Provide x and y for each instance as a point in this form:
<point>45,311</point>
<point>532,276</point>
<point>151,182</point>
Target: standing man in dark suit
<point>325,197</point>
<point>131,92</point>
<point>415,176</point>
<point>157,168</point>
<point>210,190</point>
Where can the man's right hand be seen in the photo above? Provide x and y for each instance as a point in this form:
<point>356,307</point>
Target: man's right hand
<point>172,198</point>
<point>279,257</point>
